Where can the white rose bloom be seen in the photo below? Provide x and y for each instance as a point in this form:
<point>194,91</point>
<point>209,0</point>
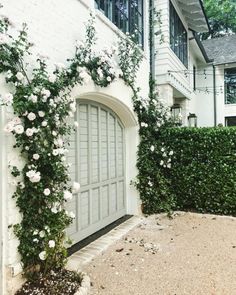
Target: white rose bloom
<point>36,177</point>
<point>162,163</point>
<point>29,132</point>
<point>31,116</point>
<point>8,99</point>
<point>44,123</point>
<point>47,192</point>
<point>162,149</point>
<point>35,240</point>
<point>54,133</point>
<point>59,142</point>
<point>43,255</point>
<point>143,124</point>
<point>52,78</point>
<point>171,153</point>
<point>109,79</point>
<point>35,156</point>
<point>35,233</point>
<point>71,215</point>
<point>55,152</point>
<point>67,195</point>
<point>54,210</point>
<point>9,127</point>
<point>42,234</point>
<point>30,173</point>
<point>9,74</point>
<point>16,120</point>
<point>71,115</point>
<point>35,130</point>
<point>19,76</point>
<point>75,187</point>
<point>51,244</point>
<point>150,183</point>
<point>19,129</point>
<point>169,165</point>
<point>164,154</point>
<point>76,124</point>
<point>41,114</point>
<point>33,98</point>
<point>45,93</point>
<point>73,107</point>
<point>152,148</point>
<point>33,176</point>
<point>22,185</point>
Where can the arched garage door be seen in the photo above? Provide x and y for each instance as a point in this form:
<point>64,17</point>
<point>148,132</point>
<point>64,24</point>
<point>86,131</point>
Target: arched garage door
<point>98,164</point>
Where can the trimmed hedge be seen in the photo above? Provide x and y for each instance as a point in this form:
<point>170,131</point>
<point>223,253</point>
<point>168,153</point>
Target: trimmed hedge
<point>202,176</point>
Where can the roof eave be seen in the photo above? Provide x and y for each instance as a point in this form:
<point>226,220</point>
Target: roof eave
<point>195,15</point>
<point>201,47</point>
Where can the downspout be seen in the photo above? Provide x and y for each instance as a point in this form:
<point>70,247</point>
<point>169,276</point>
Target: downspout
<point>214,95</point>
<point>151,40</point>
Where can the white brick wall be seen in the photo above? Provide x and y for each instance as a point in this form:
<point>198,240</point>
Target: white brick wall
<point>54,26</point>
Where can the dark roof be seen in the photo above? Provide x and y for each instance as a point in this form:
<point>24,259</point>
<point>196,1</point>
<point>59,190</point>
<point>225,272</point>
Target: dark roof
<point>222,50</point>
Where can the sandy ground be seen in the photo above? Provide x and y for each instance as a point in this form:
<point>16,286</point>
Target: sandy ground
<point>193,254</point>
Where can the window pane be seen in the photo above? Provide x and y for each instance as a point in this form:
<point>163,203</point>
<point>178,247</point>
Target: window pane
<point>230,86</point>
<point>178,36</point>
<point>105,6</point>
<point>230,121</point>
<point>127,15</point>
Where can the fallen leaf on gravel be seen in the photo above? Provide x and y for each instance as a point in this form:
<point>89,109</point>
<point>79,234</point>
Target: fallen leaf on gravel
<point>119,250</point>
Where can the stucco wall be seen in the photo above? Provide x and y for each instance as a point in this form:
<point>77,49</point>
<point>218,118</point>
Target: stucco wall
<point>54,27</point>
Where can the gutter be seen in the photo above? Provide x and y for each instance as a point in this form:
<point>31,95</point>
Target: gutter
<point>214,95</point>
<point>151,40</point>
<point>201,47</point>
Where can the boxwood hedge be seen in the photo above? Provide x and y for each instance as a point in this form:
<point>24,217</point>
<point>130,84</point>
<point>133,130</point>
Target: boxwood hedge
<point>201,175</point>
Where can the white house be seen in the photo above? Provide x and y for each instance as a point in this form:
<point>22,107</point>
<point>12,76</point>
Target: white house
<point>180,54</point>
<point>222,73</point>
<point>103,152</point>
<point>196,79</point>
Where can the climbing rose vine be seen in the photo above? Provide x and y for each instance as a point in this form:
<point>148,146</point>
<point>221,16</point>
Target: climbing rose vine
<point>42,106</point>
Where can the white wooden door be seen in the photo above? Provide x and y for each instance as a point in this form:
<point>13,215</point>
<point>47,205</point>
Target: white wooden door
<point>98,164</point>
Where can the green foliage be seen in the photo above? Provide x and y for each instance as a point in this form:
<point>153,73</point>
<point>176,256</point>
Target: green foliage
<point>42,107</point>
<point>202,176</point>
<point>152,182</point>
<point>221,14</point>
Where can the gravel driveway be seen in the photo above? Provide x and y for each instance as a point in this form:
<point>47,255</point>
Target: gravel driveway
<point>189,254</point>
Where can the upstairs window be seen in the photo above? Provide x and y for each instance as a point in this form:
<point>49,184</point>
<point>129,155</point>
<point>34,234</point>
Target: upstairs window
<point>230,86</point>
<point>127,15</point>
<point>178,36</point>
